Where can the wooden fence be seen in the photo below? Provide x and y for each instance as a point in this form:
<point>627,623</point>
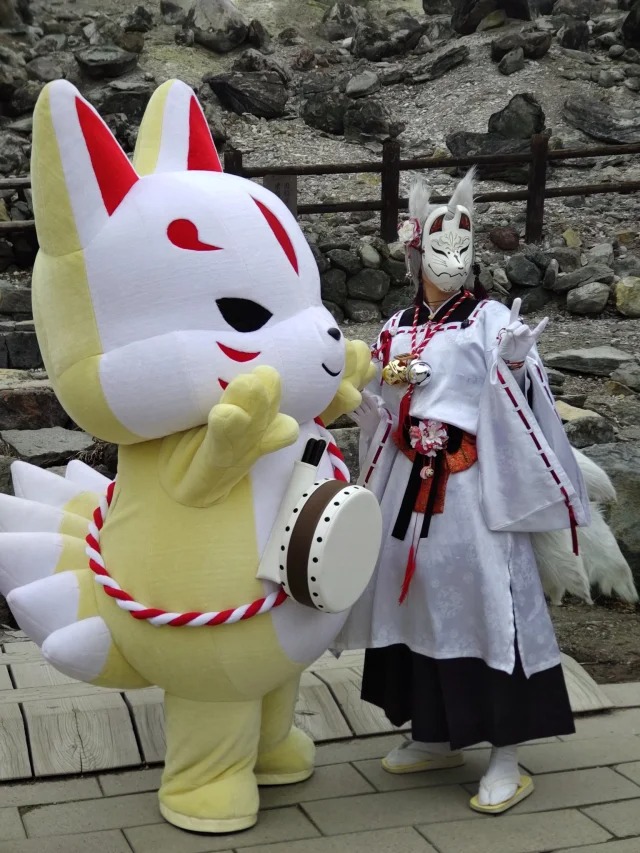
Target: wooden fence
<point>283,180</point>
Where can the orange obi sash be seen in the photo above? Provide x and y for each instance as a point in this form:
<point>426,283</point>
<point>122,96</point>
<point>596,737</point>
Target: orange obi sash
<point>451,462</point>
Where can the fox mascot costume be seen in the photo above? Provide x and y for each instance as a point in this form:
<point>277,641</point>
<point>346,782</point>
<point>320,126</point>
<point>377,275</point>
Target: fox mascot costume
<point>179,316</point>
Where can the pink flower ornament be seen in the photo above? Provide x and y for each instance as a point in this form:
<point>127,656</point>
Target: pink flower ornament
<point>410,233</point>
<point>428,437</point>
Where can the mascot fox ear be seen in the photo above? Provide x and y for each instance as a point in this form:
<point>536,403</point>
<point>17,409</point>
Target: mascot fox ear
<point>79,173</point>
<point>174,135</point>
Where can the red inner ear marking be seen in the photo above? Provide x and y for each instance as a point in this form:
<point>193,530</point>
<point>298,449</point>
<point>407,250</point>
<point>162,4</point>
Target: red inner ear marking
<point>202,156</point>
<point>114,173</point>
<point>223,384</point>
<point>184,234</point>
<point>236,355</point>
<point>280,234</point>
<point>464,222</point>
<point>436,225</point>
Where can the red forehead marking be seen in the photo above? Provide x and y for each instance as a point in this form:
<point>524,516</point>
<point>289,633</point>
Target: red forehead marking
<point>279,232</point>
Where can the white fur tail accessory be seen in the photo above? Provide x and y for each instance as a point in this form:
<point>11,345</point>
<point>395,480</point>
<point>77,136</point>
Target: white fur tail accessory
<point>601,563</point>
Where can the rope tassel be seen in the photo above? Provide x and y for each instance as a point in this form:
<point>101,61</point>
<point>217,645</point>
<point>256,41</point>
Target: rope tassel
<point>408,574</point>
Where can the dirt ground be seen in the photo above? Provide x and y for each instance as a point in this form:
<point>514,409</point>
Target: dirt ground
<point>604,639</point>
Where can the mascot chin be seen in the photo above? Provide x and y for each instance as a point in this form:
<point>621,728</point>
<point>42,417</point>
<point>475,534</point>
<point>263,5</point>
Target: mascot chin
<point>179,316</point>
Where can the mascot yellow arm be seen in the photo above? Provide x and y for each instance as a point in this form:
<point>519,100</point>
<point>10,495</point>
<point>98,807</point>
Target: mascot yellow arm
<point>358,373</point>
<point>201,466</point>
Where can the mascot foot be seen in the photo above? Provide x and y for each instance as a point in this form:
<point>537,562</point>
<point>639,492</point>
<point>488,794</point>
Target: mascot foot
<point>289,762</point>
<point>228,804</point>
<point>211,826</point>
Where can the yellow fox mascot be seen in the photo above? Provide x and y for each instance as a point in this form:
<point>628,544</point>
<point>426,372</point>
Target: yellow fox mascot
<point>179,315</point>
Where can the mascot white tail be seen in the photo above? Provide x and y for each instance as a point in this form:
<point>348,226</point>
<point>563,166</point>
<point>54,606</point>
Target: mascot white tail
<point>600,565</point>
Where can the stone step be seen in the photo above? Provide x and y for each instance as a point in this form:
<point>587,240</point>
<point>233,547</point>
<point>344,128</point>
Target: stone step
<point>45,447</point>
<point>27,401</point>
<point>19,348</point>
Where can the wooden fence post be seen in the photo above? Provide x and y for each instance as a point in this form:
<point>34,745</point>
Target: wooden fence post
<point>233,161</point>
<point>537,187</point>
<point>390,190</point>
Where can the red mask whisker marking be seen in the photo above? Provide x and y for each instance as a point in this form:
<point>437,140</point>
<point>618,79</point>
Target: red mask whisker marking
<point>279,232</point>
<point>236,355</point>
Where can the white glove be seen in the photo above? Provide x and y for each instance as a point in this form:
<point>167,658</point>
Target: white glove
<point>516,341</point>
<point>368,415</point>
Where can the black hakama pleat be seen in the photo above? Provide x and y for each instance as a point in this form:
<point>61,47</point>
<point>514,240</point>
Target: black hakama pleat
<point>464,701</point>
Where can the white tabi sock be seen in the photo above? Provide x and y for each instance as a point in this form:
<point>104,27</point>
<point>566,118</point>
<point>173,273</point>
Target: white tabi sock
<point>502,778</point>
<point>415,751</point>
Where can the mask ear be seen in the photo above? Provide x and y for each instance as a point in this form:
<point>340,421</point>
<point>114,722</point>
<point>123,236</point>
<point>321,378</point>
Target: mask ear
<point>463,193</point>
<point>79,173</point>
<point>174,135</point>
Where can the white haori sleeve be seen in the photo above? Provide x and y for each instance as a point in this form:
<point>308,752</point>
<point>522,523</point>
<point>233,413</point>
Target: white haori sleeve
<point>529,478</point>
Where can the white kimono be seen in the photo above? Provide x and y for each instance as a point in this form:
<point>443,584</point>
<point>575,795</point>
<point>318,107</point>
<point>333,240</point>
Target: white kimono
<point>476,585</point>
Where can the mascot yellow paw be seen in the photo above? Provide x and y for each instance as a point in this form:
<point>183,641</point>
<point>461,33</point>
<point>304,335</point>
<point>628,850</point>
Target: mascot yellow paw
<point>290,762</point>
<point>246,421</point>
<point>359,371</point>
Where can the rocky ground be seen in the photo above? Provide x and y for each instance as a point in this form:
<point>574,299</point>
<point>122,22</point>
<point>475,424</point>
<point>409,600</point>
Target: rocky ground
<point>311,81</point>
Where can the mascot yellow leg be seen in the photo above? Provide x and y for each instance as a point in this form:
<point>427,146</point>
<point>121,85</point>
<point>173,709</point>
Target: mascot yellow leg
<point>208,783</point>
<point>285,754</point>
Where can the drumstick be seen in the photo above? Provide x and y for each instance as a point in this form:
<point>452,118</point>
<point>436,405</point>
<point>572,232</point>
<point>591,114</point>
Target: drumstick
<point>321,446</point>
<point>310,452</point>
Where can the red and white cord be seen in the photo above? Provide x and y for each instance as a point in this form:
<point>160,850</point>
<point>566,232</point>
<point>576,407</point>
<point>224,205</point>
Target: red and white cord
<point>153,615</point>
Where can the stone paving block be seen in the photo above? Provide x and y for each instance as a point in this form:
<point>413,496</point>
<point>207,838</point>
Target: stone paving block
<point>398,840</point>
<point>334,780</point>
<point>475,765</point>
<point>619,818</point>
<point>131,782</point>
<point>538,833</point>
<point>631,771</point>
<point>357,750</point>
<point>92,815</point>
<point>625,722</point>
<point>624,695</point>
<point>112,841</point>
<point>577,788</point>
<point>287,824</point>
<point>395,808</point>
<point>629,845</point>
<point>578,754</point>
<point>39,792</point>
<point>10,824</point>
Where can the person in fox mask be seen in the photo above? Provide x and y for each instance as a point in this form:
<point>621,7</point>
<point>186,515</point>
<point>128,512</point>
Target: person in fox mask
<point>461,443</point>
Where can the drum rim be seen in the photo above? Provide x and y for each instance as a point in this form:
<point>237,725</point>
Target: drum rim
<point>297,566</point>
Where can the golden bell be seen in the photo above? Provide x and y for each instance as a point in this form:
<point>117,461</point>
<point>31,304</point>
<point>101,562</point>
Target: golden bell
<point>395,373</point>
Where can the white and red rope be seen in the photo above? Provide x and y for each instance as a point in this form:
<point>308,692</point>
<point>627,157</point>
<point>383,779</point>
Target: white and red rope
<point>193,619</point>
<point>154,615</point>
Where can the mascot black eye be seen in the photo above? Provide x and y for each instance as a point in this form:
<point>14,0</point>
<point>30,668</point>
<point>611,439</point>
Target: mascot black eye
<point>243,315</point>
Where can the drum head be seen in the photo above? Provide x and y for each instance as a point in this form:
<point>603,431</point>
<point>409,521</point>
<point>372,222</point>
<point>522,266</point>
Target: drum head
<point>348,553</point>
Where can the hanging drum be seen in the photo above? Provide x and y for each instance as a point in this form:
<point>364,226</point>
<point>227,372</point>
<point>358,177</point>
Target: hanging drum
<point>326,543</point>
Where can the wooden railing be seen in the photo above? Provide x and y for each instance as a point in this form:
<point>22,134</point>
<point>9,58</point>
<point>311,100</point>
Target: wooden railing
<point>390,168</point>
